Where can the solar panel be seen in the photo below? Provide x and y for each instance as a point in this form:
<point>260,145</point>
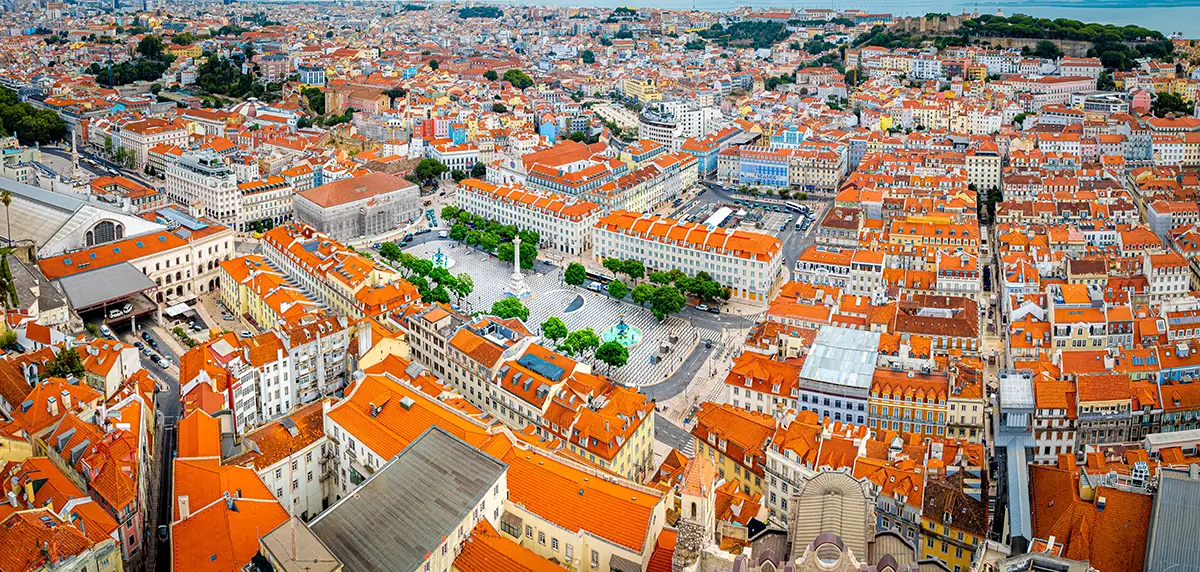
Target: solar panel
<point>542,367</point>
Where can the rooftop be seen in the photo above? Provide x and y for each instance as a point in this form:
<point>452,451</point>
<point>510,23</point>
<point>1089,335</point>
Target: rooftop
<point>422,495</point>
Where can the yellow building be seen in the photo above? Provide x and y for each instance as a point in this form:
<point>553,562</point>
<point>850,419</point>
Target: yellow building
<point>181,52</point>
<point>953,522</point>
<point>645,89</point>
<point>735,441</point>
<point>14,447</point>
<point>252,288</point>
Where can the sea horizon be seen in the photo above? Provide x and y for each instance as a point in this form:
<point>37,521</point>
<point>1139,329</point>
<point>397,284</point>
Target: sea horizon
<point>1166,16</point>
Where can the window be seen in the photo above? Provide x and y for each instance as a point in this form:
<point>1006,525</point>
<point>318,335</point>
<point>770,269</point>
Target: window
<point>570,552</point>
<point>528,532</point>
<point>542,538</point>
<point>595,559</point>
<point>554,545</point>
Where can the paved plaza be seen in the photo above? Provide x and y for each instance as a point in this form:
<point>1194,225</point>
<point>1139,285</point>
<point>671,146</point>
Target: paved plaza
<point>549,296</point>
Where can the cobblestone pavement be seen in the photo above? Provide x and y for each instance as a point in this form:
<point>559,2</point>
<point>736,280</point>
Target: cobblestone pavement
<point>671,340</point>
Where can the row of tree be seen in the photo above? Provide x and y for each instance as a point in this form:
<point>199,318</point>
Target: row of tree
<point>492,236</point>
<point>434,283</point>
<point>581,342</point>
<point>30,124</point>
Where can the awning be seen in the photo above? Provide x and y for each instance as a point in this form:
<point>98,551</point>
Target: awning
<point>177,309</point>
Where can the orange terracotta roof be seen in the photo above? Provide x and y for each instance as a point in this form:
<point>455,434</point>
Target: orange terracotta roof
<point>486,551</point>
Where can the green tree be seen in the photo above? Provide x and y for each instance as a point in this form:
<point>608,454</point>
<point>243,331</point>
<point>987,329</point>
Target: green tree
<point>588,57</point>
<point>463,285</point>
<point>581,341</point>
<point>434,65</point>
<point>1167,102</point>
<point>150,47</point>
<point>518,79</point>
<point>474,238</point>
<point>613,354</point>
<point>390,251</point>
<point>633,269</point>
<point>617,289</point>
<point>554,329</point>
<point>66,362</point>
<point>529,254</point>
<point>489,242</point>
<point>575,274</point>
<point>8,338</point>
<point>641,293</point>
<point>458,175</point>
<point>450,212</point>
<point>666,300</point>
<point>1046,49</point>
<point>660,278</point>
<point>184,39</point>
<point>1105,82</point>
<point>504,252</point>
<point>491,75</point>
<point>459,232</point>
<point>510,308</point>
<point>428,170</point>
<point>478,170</point>
<point>614,265</point>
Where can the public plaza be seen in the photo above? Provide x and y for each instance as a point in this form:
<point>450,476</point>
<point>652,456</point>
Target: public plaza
<point>671,340</point>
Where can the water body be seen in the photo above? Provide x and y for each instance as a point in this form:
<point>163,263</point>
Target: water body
<point>1166,16</point>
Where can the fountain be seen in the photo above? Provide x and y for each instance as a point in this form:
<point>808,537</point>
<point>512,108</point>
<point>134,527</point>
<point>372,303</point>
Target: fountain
<point>441,260</point>
<point>622,333</point>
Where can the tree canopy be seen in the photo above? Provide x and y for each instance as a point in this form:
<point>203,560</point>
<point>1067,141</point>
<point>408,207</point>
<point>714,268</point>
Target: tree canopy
<point>518,79</point>
<point>30,124</point>
<point>510,308</point>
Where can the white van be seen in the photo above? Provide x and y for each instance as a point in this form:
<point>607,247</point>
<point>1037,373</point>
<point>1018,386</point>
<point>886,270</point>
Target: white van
<point>443,234</point>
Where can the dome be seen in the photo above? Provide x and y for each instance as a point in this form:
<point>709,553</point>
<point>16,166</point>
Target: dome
<point>248,108</point>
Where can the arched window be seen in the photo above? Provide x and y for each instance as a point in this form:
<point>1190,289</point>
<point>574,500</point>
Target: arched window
<point>693,510</point>
<point>105,231</point>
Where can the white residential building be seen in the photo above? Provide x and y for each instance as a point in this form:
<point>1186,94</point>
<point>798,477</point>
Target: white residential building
<point>749,263</point>
<point>203,182</point>
<point>563,222</point>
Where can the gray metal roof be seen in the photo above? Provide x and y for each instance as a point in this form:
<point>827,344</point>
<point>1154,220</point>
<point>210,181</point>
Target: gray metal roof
<point>294,548</point>
<point>1020,523</point>
<point>1016,389</point>
<point>842,356</point>
<point>1174,522</point>
<point>95,287</point>
<point>405,509</point>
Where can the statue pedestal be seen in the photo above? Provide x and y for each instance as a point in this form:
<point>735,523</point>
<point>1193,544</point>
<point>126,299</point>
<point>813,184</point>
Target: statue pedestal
<point>516,286</point>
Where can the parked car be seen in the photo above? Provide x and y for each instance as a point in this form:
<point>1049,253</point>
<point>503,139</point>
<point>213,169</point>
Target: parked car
<point>114,313</point>
<point>127,308</point>
<point>714,310</point>
<point>105,331</point>
<point>702,307</point>
<point>154,344</point>
<point>146,352</point>
<point>146,335</point>
<point>139,345</point>
<point>245,333</point>
<point>163,531</point>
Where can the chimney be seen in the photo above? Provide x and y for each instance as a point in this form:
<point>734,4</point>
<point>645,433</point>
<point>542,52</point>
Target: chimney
<point>66,400</point>
<point>12,499</point>
<point>29,493</point>
<point>184,507</point>
<point>52,406</point>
